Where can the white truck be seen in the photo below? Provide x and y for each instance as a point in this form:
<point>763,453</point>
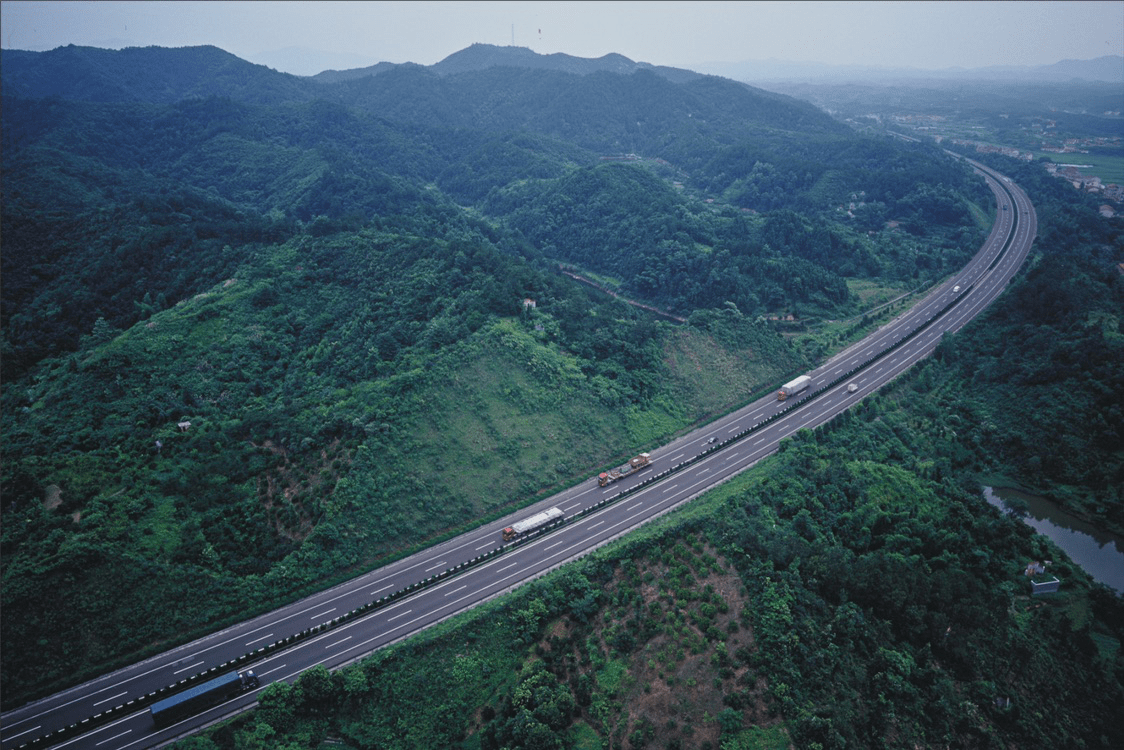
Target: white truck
<point>537,521</point>
<point>793,387</point>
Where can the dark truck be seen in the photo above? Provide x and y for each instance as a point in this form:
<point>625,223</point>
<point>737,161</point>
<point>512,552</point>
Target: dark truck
<point>199,697</point>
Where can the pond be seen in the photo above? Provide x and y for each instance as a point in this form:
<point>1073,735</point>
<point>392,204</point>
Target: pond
<point>1099,553</point>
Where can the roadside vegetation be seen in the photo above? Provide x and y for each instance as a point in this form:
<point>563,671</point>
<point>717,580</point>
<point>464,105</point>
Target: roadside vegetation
<point>853,590</point>
<point>226,386</point>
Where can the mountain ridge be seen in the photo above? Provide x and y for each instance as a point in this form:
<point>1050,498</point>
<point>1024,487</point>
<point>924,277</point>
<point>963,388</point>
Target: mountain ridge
<point>464,90</point>
<point>167,74</point>
<point>142,74</point>
<point>481,56</point>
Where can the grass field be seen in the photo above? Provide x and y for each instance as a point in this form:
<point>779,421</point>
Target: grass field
<point>515,419</point>
<point>1109,168</point>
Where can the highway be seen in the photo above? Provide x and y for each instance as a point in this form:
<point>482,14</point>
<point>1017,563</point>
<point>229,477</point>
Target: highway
<point>462,572</point>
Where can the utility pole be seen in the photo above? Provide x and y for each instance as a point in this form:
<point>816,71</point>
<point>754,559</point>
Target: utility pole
<point>512,35</point>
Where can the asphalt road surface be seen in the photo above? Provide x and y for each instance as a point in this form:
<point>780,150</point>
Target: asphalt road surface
<point>483,566</point>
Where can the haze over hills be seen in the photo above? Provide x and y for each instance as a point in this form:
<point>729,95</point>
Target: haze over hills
<point>302,61</point>
<point>326,66</point>
<point>1109,68</point>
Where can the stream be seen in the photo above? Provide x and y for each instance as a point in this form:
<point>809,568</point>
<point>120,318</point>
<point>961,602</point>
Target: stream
<point>1099,553</point>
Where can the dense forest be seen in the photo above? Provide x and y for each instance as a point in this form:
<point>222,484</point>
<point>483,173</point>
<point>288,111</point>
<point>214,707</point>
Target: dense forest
<point>855,590</point>
<point>261,333</point>
<point>1055,343</point>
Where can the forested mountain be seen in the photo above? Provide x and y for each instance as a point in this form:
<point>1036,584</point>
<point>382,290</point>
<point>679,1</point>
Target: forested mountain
<point>142,74</point>
<point>854,591</point>
<point>376,145</point>
<point>351,293</point>
<point>481,56</point>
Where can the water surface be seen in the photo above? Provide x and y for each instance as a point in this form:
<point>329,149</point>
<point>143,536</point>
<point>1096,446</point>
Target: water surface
<point>1099,553</point>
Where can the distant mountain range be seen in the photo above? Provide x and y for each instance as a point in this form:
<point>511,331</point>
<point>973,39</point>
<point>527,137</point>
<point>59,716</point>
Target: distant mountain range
<point>158,75</point>
<point>484,56</point>
<point>308,62</point>
<point>481,56</point>
<point>95,74</point>
<point>465,90</point>
<point>171,74</point>
<point>1109,68</point>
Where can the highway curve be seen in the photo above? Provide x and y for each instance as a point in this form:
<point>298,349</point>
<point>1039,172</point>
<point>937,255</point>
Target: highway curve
<point>342,624</point>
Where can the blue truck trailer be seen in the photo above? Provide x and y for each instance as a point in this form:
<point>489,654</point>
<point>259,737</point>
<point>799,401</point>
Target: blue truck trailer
<point>198,697</point>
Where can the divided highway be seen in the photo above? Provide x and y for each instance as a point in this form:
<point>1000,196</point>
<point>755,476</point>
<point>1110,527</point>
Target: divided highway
<point>680,471</point>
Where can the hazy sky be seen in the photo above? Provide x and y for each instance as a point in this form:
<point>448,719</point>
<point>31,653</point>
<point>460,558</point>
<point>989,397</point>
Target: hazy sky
<point>931,35</point>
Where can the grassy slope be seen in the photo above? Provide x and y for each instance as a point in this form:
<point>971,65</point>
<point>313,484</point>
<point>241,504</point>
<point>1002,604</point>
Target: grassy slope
<point>320,473</point>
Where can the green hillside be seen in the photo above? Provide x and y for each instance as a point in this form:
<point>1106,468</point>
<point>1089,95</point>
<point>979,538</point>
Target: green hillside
<point>328,281</point>
<point>855,590</point>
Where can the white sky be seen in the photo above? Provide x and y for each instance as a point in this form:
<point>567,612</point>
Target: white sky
<point>929,35</point>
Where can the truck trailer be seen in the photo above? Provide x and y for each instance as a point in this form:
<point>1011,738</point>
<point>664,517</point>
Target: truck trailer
<point>532,523</point>
<point>613,475</point>
<point>202,696</point>
<point>793,387</point>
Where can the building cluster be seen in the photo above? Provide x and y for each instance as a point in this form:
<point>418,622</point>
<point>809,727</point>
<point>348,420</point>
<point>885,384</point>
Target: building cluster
<point>1087,183</point>
<point>990,148</point>
<point>858,200</point>
<point>1080,145</point>
<point>917,121</point>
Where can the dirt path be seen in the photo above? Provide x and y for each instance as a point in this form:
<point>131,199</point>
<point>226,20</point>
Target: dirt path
<point>634,303</point>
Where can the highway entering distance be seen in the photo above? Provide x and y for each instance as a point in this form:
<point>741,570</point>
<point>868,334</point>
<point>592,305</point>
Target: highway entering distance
<point>342,624</point>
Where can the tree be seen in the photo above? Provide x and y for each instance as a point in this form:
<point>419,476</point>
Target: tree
<point>275,706</point>
<point>314,692</point>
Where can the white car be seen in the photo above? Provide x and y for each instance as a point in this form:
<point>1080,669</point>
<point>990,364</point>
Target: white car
<point>852,388</point>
